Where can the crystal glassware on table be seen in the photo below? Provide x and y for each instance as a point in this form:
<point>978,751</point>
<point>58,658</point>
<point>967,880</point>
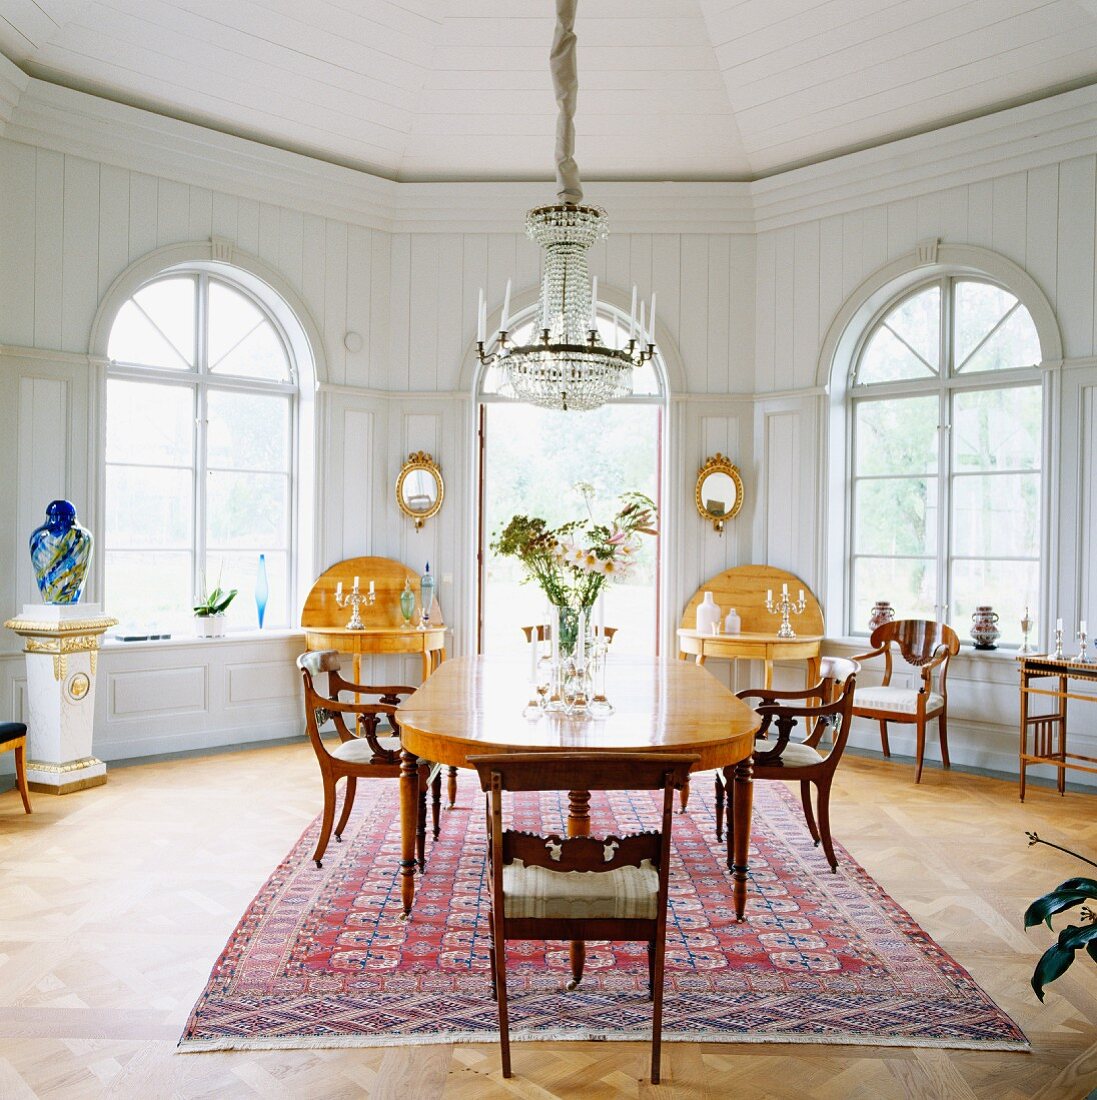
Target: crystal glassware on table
<point>407,603</point>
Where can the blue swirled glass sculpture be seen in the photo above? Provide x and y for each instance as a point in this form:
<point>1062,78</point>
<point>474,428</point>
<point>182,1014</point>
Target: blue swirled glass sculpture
<point>262,589</point>
<point>60,551</point>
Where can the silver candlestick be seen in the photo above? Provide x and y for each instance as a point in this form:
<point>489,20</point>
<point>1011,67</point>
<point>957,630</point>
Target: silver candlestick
<point>1026,626</point>
<point>355,599</point>
<point>1083,654</point>
<point>1058,652</point>
<point>784,607</point>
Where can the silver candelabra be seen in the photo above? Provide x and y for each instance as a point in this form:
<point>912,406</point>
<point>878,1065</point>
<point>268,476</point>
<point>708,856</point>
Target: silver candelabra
<point>785,606</point>
<point>354,599</point>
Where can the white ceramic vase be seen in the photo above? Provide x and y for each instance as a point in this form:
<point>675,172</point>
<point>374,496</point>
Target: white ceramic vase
<point>708,614</point>
<point>733,624</point>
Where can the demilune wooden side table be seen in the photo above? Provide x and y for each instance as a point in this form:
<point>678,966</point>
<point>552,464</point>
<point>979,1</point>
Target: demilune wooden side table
<point>1049,731</point>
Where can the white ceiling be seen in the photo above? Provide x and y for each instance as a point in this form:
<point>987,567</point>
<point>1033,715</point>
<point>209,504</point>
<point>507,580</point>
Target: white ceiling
<point>459,89</point>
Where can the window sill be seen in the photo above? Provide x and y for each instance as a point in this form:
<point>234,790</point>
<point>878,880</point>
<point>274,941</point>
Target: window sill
<point>243,637</point>
<point>967,649</point>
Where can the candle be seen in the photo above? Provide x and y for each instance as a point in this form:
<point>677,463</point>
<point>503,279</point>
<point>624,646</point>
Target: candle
<point>643,325</point>
<point>784,590</point>
<point>594,303</point>
<point>1058,624</point>
<point>371,588</point>
<point>602,616</point>
<point>1082,627</point>
<point>651,319</point>
<point>356,584</point>
<point>506,308</point>
<point>769,595</point>
<point>339,591</point>
<point>481,319</point>
<point>632,315</point>
<point>801,595</point>
<point>555,626</point>
<point>581,639</point>
<point>533,657</point>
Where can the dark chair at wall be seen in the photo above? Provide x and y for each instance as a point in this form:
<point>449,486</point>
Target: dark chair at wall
<point>926,646</point>
<point>583,887</point>
<point>13,738</point>
<point>543,634</point>
<point>371,753</point>
<point>828,706</point>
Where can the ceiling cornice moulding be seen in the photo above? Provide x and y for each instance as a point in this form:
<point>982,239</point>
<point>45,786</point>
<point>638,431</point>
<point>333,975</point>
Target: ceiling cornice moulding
<point>54,117</point>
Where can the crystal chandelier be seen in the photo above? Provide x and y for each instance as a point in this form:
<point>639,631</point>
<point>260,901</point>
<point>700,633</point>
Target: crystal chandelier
<point>565,365</point>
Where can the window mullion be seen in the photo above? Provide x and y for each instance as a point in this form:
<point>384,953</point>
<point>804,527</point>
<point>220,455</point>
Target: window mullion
<point>944,455</point>
<point>201,433</point>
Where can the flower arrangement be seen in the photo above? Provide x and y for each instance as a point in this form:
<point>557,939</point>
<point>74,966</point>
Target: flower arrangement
<point>573,562</point>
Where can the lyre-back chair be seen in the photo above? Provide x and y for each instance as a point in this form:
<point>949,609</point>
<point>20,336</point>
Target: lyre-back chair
<point>372,752</point>
<point>927,646</point>
<point>544,635</point>
<point>582,887</point>
<point>826,706</point>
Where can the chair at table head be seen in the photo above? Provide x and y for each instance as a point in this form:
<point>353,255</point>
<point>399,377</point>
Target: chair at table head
<point>370,750</point>
<point>926,646</point>
<point>579,888</point>
<point>543,633</point>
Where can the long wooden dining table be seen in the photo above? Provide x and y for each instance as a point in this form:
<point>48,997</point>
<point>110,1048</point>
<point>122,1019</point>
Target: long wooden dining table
<point>471,706</point>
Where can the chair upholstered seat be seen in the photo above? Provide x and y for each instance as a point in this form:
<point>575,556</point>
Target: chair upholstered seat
<point>358,750</point>
<point>9,731</point>
<point>625,893</point>
<point>795,755</point>
<point>901,700</point>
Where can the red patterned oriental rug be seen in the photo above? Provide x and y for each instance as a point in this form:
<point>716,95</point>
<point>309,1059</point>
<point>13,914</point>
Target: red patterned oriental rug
<point>321,958</point>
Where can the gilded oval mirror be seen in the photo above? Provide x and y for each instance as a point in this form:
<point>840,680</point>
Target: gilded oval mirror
<point>719,492</point>
<point>419,488</point>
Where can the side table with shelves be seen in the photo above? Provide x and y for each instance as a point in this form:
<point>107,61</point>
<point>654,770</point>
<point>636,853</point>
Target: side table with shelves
<point>1048,732</point>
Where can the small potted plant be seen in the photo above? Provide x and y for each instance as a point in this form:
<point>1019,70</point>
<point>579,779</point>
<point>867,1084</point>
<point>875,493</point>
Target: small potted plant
<point>209,614</point>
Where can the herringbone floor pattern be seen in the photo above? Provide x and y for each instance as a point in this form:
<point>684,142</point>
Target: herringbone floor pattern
<point>116,901</point>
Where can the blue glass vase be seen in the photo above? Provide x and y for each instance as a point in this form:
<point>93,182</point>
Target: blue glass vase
<point>60,551</point>
<point>262,589</point>
<point>426,595</point>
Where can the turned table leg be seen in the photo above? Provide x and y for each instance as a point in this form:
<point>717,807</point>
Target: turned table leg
<point>740,786</point>
<point>409,814</point>
<point>451,786</point>
<point>578,825</point>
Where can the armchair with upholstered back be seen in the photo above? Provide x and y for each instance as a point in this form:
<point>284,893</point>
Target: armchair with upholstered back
<point>370,753</point>
<point>928,647</point>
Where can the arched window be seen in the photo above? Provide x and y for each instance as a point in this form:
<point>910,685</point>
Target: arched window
<point>945,429</point>
<point>200,443</point>
<point>542,462</point>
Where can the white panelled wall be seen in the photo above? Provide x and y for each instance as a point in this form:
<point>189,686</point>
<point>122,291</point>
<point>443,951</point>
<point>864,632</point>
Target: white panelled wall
<point>749,277</point>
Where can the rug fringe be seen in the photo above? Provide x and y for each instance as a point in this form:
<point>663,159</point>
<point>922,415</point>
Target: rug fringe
<point>338,1042</point>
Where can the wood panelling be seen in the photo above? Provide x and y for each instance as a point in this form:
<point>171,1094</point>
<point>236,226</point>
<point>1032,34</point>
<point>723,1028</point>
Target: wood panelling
<point>158,691</point>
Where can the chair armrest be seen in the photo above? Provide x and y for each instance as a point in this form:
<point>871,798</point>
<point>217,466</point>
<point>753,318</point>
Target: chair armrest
<point>878,652</point>
<point>940,656</point>
<point>769,694</point>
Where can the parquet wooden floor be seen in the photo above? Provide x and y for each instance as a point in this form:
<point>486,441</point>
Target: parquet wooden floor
<point>116,901</point>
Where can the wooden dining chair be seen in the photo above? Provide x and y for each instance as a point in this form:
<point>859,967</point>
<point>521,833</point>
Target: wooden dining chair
<point>543,632</point>
<point>13,738</point>
<point>372,752</point>
<point>581,887</point>
<point>927,646</point>
<point>828,706</point>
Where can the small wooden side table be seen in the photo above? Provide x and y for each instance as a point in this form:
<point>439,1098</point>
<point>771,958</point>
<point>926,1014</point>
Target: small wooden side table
<point>1049,731</point>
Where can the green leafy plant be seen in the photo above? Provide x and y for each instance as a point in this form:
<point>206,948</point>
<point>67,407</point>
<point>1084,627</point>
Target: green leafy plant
<point>214,603</point>
<point>1056,960</point>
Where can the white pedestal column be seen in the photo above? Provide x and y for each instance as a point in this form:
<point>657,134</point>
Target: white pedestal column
<point>61,642</point>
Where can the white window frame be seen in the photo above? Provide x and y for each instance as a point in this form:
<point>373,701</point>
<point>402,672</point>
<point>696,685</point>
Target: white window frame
<point>200,380</point>
<point>944,386</point>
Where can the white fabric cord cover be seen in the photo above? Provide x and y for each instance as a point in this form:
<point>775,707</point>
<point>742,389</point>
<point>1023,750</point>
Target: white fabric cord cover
<point>625,892</point>
<point>901,700</point>
<point>565,83</point>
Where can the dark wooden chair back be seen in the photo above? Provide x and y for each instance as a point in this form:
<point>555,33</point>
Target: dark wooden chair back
<point>543,633</point>
<point>919,641</point>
